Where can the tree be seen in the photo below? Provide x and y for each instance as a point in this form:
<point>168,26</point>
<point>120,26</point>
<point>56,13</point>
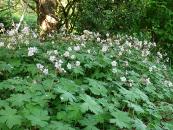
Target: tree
<point>46,12</point>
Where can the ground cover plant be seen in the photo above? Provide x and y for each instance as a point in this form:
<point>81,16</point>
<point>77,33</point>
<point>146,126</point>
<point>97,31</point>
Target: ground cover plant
<point>88,82</point>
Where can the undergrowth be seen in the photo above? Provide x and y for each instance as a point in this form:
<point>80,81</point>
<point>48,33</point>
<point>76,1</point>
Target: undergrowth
<point>83,82</point>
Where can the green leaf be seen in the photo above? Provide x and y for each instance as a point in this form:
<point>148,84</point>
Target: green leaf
<point>97,87</point>
<point>65,96</point>
<point>139,125</point>
<point>136,107</point>
<point>9,117</point>
<point>31,68</point>
<point>71,113</point>
<point>19,99</point>
<point>90,127</point>
<point>55,125</point>
<point>90,104</point>
<point>38,117</point>
<point>3,103</point>
<point>78,70</point>
<point>134,94</point>
<point>67,85</point>
<point>93,119</point>
<point>122,119</point>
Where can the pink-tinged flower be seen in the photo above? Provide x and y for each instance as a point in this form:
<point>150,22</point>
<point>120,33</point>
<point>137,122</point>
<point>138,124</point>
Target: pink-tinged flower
<point>40,66</point>
<point>32,51</point>
<point>26,30</point>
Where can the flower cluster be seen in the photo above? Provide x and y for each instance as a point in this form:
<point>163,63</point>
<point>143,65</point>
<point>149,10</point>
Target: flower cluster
<point>32,51</point>
<point>42,69</point>
<point>1,44</point>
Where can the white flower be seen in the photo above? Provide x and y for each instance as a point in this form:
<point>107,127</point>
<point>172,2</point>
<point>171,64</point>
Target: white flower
<point>63,70</point>
<point>66,54</point>
<point>1,25</point>
<point>45,71</point>
<point>117,42</point>
<point>164,67</point>
<point>1,44</point>
<point>150,69</point>
<point>107,34</point>
<point>114,63</point>
<point>77,63</point>
<point>129,51</point>
<point>60,61</point>
<point>62,98</point>
<point>121,48</point>
<point>57,65</point>
<point>52,58</point>
<point>114,70</point>
<point>147,81</point>
<point>154,44</point>
<point>89,51</point>
<point>168,83</point>
<point>159,55</point>
<point>32,51</point>
<point>86,32</point>
<point>123,79</point>
<point>55,52</point>
<point>69,66</point>
<point>34,34</point>
<point>73,57</point>
<point>11,32</point>
<point>98,39</point>
<point>131,82</point>
<point>40,66</point>
<point>76,48</point>
<point>128,43</point>
<point>145,53</point>
<point>120,53</point>
<point>126,63</point>
<point>69,49</point>
<point>83,45</point>
<point>104,48</point>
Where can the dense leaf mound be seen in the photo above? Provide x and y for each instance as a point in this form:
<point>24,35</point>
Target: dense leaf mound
<point>83,82</point>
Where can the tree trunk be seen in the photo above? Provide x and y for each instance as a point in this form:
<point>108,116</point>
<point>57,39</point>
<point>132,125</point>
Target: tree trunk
<point>47,20</point>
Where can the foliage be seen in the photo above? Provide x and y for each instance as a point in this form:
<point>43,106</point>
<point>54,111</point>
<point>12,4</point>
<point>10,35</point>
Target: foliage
<point>146,19</point>
<point>83,82</point>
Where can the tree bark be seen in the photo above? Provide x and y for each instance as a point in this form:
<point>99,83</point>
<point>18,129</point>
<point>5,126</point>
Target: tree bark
<point>47,20</point>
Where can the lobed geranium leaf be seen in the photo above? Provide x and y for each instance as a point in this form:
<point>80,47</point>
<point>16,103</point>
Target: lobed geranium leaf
<point>9,117</point>
<point>121,119</point>
<point>38,117</point>
<point>97,87</point>
<point>139,125</point>
<point>90,104</point>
